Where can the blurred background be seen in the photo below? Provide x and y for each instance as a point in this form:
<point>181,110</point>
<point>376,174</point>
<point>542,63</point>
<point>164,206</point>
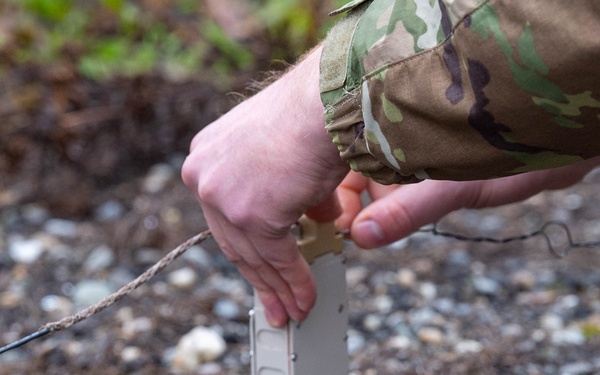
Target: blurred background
<point>99,100</point>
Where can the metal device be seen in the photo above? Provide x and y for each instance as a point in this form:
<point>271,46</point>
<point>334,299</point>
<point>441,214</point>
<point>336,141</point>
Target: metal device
<point>317,346</point>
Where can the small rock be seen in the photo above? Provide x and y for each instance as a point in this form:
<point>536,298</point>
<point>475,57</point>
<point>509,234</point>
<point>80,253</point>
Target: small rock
<point>430,335</point>
<point>35,214</point>
<point>513,330</point>
<point>212,368</point>
<point>157,178</point>
<point>131,328</point>
<point>88,292</point>
<point>577,368</point>
<point>227,309</point>
<point>109,210</point>
<point>399,342</point>
<point>200,345</point>
<point>131,354</point>
<point>406,278</point>
<point>56,306</point>
<point>182,278</point>
<point>485,285</point>
<point>523,279</point>
<point>100,258</point>
<point>356,342</point>
<point>372,322</point>
<point>428,290</point>
<point>384,303</point>
<point>551,322</point>
<point>61,228</point>
<point>198,256</point>
<point>569,336</point>
<point>468,347</point>
<point>23,250</point>
<point>356,275</point>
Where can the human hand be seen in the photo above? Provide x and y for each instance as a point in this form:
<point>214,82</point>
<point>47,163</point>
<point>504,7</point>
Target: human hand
<point>255,171</point>
<point>399,210</point>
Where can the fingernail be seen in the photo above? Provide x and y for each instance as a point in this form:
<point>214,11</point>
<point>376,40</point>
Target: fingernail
<point>273,321</point>
<point>370,231</point>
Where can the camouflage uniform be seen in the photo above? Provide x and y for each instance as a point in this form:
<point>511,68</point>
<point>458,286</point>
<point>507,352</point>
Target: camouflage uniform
<point>463,89</point>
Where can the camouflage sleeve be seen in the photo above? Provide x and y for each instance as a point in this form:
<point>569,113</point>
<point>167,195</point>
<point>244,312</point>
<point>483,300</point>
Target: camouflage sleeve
<point>463,89</point>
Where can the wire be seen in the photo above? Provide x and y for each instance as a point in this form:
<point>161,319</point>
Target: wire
<point>113,298</point>
<point>544,232</point>
<point>179,250</point>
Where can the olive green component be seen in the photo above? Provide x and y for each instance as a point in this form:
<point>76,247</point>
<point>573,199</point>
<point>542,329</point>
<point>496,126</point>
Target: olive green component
<point>463,89</point>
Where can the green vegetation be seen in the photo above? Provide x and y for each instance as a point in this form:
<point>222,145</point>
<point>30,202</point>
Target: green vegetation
<point>178,39</point>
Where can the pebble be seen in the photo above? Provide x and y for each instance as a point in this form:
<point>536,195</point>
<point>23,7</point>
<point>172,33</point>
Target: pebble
<point>198,256</point>
<point>100,258</point>
<point>384,303</point>
<point>577,368</point>
<point>35,214</point>
<point>568,336</point>
<point>468,347</point>
<point>135,326</point>
<point>523,279</point>
<point>551,322</point>
<point>227,309</point>
<point>25,250</point>
<point>430,335</point>
<point>157,178</point>
<point>485,285</point>
<point>109,211</point>
<point>399,342</point>
<point>199,346</point>
<point>356,342</point>
<point>56,306</point>
<point>406,277</point>
<point>61,228</point>
<point>183,278</point>
<point>88,292</point>
<point>131,354</point>
<point>372,322</point>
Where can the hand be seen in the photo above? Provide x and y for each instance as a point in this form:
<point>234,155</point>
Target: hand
<point>255,171</point>
<point>397,211</point>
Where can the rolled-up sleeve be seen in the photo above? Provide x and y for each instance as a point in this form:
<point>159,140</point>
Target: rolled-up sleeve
<point>463,89</point>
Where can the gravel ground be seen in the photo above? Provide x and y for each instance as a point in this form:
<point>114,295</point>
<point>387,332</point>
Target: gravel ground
<point>425,305</point>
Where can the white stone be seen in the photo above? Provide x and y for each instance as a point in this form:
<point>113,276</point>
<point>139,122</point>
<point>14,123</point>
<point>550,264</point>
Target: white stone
<point>56,306</point>
<point>182,278</point>
<point>131,354</point>
<point>551,322</point>
<point>569,336</point>
<point>61,228</point>
<point>468,347</point>
<point>399,342</point>
<point>199,346</point>
<point>88,292</point>
<point>100,258</point>
<point>406,277</point>
<point>23,250</point>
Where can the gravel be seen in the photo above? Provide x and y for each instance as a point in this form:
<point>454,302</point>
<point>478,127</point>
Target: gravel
<point>426,305</point>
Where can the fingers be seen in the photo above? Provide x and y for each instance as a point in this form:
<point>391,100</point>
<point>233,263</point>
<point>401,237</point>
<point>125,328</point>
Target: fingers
<point>326,211</point>
<point>349,198</point>
<point>282,279</point>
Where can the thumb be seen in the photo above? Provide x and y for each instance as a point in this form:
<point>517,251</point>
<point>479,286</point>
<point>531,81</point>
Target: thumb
<point>405,210</point>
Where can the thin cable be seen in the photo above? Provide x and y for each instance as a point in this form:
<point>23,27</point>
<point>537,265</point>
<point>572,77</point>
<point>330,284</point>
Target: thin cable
<point>113,298</point>
<point>543,232</point>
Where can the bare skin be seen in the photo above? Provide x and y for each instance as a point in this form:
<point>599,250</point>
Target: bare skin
<point>258,168</point>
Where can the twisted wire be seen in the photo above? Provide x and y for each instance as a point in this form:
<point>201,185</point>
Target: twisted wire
<point>543,231</point>
<point>113,298</point>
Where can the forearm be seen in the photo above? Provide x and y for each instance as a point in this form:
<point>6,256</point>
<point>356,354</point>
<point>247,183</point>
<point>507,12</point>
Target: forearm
<point>499,89</point>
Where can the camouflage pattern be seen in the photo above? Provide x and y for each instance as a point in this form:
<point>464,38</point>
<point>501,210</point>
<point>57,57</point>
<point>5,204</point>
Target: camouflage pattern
<point>463,89</point>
